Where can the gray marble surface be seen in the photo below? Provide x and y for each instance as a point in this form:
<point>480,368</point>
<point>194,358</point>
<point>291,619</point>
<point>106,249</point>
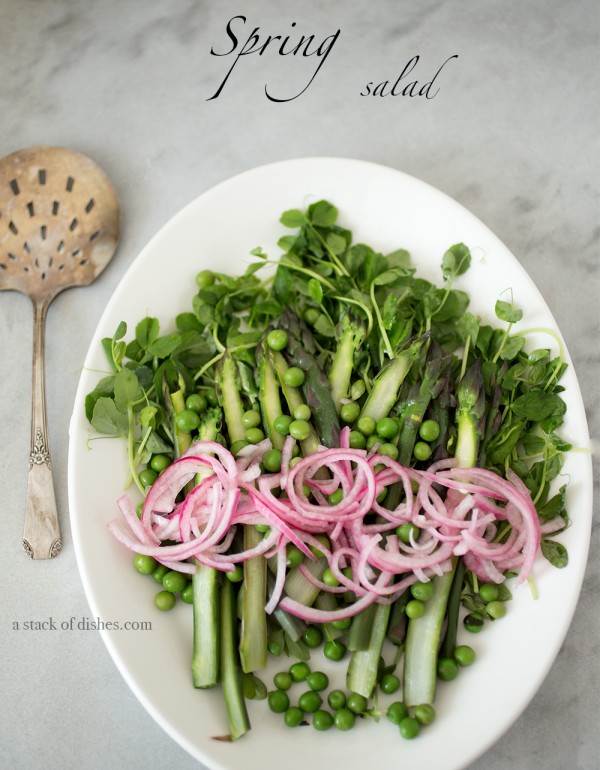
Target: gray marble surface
<point>512,135</point>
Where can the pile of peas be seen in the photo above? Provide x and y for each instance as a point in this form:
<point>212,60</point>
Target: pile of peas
<point>493,608</point>
<point>369,432</point>
<point>337,708</point>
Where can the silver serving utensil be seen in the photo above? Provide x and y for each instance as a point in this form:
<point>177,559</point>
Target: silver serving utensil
<point>59,227</point>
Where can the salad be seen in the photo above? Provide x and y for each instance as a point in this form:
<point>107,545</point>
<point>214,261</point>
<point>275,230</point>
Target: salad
<point>338,456</point>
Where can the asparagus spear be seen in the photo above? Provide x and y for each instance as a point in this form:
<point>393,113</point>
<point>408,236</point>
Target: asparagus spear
<point>300,352</point>
<point>350,335</point>
<point>424,633</point>
<point>253,638</point>
<point>386,385</point>
<point>269,398</point>
<point>239,722</point>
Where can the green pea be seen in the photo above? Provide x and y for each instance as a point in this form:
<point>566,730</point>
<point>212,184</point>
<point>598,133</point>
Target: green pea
<point>254,435</point>
<point>148,477</point>
<point>473,622</point>
<point>322,720</point>
<point>294,556</point>
<point>294,377</point>
<point>159,573</point>
<point>279,701</point>
<point>496,610</point>
<point>306,489</point>
<point>344,719</point>
<point>295,460</point>
<point>464,655</point>
<point>422,591</point>
<point>389,450</point>
<point>302,412</point>
<point>334,650</point>
<point>274,647</point>
<point>164,601</point>
<point>330,579</point>
<point>300,429</point>
<point>237,575</point>
<point>396,712</point>
<point>196,402</point>
<point>277,339</point>
<point>409,728</point>
<point>312,637</point>
<point>336,497</point>
<point>389,684</point>
<point>251,419</point>
<point>357,703</point>
<point>324,540</point>
<point>422,451</point>
<point>357,440</point>
<point>159,463</point>
<point>343,624</point>
<point>187,421</point>
<point>414,609</point>
<point>387,427</point>
<point>429,430</point>
<point>282,424</point>
<point>447,669</point>
<point>366,425</point>
<point>145,565</point>
<point>310,701</point>
<point>299,671</point>
<point>293,716</point>
<point>237,446</point>
<point>139,510</point>
<point>336,699</point>
<point>404,531</point>
<point>174,582</point>
<point>349,412</point>
<point>187,594</point>
<point>488,592</point>
<point>424,714</point>
<point>382,495</point>
<point>272,460</point>
<point>311,315</point>
<point>318,681</point>
<point>372,440</point>
<point>211,397</point>
<point>282,680</point>
<point>205,278</point>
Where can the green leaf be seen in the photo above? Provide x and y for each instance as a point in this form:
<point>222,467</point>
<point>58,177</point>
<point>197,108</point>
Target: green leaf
<point>322,214</point>
<point>468,326</point>
<point>106,418</point>
<point>555,506</point>
<point>127,389</point>
<point>506,311</point>
<point>556,553</point>
<point>293,218</point>
<point>336,243</point>
<point>511,348</point>
<point>147,415</point>
<point>257,251</point>
<point>315,290</point>
<point>324,326</point>
<point>147,331</point>
<point>156,445</point>
<point>537,405</point>
<point>121,331</point>
<point>399,258</point>
<point>187,322</point>
<point>456,261</point>
<point>164,346</point>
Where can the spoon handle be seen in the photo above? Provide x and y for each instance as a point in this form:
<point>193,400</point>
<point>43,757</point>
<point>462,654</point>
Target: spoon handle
<point>41,535</point>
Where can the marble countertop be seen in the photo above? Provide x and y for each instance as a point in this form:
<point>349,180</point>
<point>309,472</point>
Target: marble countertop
<point>512,134</point>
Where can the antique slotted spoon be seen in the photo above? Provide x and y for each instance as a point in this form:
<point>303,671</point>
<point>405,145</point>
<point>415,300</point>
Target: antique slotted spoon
<point>59,227</point>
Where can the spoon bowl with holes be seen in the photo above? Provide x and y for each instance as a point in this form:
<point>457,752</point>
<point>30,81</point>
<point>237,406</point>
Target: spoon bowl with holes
<point>59,228</point>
